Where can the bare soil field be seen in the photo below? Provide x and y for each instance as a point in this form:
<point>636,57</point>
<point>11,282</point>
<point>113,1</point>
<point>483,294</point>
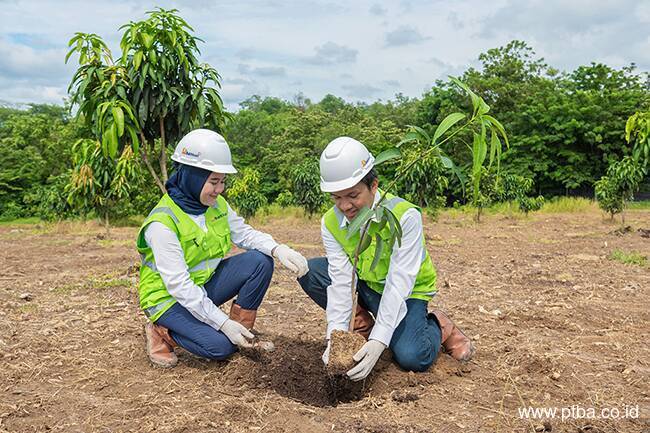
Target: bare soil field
<point>556,322</point>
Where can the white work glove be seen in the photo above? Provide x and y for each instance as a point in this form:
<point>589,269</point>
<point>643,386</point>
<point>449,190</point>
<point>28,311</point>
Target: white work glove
<point>326,354</point>
<point>237,333</point>
<point>366,357</point>
<point>291,259</point>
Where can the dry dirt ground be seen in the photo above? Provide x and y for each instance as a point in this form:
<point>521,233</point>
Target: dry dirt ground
<point>556,322</point>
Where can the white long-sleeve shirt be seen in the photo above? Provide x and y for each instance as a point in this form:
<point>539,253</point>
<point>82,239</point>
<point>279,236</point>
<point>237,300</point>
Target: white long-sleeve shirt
<point>405,262</point>
<point>170,263</point>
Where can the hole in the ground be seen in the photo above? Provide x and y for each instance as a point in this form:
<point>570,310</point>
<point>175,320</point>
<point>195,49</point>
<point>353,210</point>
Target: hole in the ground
<point>295,370</point>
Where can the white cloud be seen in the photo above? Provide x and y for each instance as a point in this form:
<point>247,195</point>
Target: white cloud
<point>331,53</point>
<point>404,35</point>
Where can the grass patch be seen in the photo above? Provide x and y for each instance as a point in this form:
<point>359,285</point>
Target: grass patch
<point>66,289</point>
<point>275,212</point>
<point>568,205</point>
<point>28,308</point>
<point>20,221</point>
<point>629,258</point>
<point>643,204</point>
<point>109,283</point>
<point>129,221</point>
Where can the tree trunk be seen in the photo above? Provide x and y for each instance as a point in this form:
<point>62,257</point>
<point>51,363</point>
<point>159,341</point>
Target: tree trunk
<point>145,157</point>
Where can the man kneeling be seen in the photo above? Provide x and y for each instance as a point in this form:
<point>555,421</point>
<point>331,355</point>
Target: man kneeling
<point>396,292</point>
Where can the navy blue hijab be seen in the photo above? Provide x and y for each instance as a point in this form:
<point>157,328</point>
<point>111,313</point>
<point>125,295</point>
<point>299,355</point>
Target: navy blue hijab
<point>184,187</point>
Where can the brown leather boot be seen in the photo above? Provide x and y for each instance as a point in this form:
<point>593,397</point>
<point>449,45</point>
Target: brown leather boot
<point>363,322</point>
<point>243,316</point>
<point>160,346</point>
<point>247,318</point>
<point>454,341</point>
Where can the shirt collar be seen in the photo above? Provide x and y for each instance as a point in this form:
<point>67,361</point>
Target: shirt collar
<point>345,222</point>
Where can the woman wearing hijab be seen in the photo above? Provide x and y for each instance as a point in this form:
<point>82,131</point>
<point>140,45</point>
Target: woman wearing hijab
<point>185,277</point>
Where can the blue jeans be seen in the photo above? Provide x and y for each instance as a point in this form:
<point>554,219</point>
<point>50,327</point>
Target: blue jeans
<point>246,276</point>
<point>416,341</point>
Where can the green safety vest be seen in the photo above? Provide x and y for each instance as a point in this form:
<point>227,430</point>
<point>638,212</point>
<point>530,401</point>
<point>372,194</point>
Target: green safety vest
<point>202,250</point>
<point>425,282</point>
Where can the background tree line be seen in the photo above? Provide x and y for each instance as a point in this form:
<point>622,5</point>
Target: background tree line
<point>564,128</point>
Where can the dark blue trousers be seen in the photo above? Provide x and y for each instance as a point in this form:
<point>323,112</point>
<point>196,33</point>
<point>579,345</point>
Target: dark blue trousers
<point>416,341</point>
<point>246,276</point>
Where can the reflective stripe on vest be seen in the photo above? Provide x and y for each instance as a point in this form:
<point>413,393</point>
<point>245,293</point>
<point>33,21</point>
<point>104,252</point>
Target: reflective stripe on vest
<point>166,210</point>
<point>152,311</point>
<point>206,265</point>
<point>147,263</point>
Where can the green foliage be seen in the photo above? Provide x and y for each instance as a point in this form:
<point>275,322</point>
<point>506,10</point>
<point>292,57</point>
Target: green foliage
<point>244,193</point>
<point>618,187</point>
<point>156,91</point>
<point>637,131</point>
<point>479,124</point>
<point>530,204</point>
<point>629,258</point>
<point>97,182</point>
<point>285,199</point>
<point>35,153</point>
<point>515,187</point>
<point>424,184</point>
<point>306,186</point>
<point>563,128</point>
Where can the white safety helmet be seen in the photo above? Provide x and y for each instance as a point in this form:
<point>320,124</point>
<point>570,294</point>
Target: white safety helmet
<point>343,163</point>
<point>204,149</point>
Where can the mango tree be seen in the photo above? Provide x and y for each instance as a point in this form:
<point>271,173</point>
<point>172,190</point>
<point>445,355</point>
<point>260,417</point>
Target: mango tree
<point>614,190</point>
<point>150,96</point>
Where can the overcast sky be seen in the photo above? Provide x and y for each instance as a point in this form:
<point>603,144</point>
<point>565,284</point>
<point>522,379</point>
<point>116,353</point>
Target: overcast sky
<point>359,50</point>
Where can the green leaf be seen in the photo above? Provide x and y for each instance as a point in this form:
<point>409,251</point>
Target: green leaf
<point>422,133</point>
<point>137,59</point>
<point>147,40</point>
<point>365,243</point>
<point>499,127</point>
<point>201,106</point>
<point>112,151</point>
<point>395,226</point>
<point>121,92</point>
<point>409,137</point>
<point>379,248</point>
<point>118,118</point>
<point>387,155</point>
<point>362,218</point>
<point>135,143</point>
<point>494,142</point>
<point>448,163</point>
<point>447,123</point>
<point>483,107</point>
